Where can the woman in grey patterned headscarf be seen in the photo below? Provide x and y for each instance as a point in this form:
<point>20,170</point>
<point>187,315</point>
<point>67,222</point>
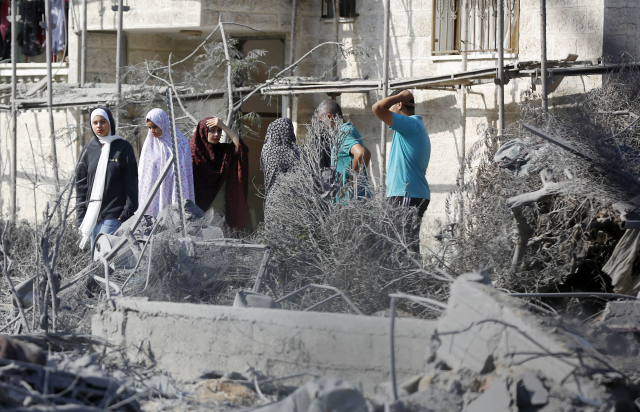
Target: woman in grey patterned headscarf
<point>279,155</point>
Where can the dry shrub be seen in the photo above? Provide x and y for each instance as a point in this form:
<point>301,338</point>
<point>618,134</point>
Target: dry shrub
<point>365,247</point>
<point>576,232</point>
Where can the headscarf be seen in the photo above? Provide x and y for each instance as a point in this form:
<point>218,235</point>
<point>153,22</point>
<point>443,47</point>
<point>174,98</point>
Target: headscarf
<point>97,190</point>
<point>214,164</point>
<point>155,154</point>
<point>279,155</point>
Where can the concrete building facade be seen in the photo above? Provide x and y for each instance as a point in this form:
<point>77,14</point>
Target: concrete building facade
<point>588,28</point>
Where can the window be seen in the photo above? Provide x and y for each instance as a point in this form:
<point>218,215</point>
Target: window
<point>347,8</point>
<point>481,25</point>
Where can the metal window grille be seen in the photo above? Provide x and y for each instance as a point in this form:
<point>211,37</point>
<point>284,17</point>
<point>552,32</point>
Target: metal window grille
<point>347,8</point>
<point>481,20</point>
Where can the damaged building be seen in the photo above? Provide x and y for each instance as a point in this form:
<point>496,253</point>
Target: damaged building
<point>520,294</point>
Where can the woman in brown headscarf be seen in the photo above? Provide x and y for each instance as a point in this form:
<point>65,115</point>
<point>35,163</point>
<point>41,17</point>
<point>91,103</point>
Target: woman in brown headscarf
<point>215,164</point>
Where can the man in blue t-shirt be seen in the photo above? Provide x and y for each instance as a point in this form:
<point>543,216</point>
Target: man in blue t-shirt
<point>410,151</point>
<point>351,153</point>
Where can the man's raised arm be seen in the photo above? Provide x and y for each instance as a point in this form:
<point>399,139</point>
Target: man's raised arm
<point>382,109</point>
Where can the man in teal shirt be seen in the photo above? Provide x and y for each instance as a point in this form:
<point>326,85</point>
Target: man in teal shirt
<point>351,153</point>
<point>410,151</point>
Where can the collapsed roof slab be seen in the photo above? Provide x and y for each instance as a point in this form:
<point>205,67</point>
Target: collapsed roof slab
<point>188,339</point>
<point>484,328</point>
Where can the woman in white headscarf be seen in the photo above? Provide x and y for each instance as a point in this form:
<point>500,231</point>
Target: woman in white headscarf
<point>106,180</point>
<point>155,153</point>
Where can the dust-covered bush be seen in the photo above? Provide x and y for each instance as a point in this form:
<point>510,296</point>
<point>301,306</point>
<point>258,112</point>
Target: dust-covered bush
<point>364,246</point>
<point>574,232</point>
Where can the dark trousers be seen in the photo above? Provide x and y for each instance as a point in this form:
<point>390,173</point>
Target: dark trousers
<point>420,204</point>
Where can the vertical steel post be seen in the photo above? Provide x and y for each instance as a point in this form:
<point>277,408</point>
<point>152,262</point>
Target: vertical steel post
<point>464,35</point>
<point>543,54</point>
<point>52,129</point>
<point>83,47</point>
<point>119,64</point>
<point>230,111</point>
<point>14,110</point>
<point>392,350</point>
<point>336,35</point>
<point>501,66</point>
<point>292,49</point>
<point>385,92</point>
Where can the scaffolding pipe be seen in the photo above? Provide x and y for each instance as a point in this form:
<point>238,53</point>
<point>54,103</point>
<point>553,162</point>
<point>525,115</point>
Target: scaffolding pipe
<point>229,81</point>
<point>464,35</point>
<point>52,129</point>
<point>83,49</point>
<point>385,92</point>
<point>501,66</point>
<point>543,56</point>
<point>292,49</point>
<point>119,64</point>
<point>336,36</point>
<point>14,109</point>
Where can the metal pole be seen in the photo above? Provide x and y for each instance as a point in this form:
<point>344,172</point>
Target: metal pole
<point>292,49</point>
<point>464,35</point>
<point>543,52</point>
<point>336,36</point>
<point>501,66</point>
<point>385,92</point>
<point>177,174</point>
<point>83,49</point>
<point>119,64</point>
<point>14,110</point>
<point>229,82</point>
<point>392,352</point>
<point>52,129</point>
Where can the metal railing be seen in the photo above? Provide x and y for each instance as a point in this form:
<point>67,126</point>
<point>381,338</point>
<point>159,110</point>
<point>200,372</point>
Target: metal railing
<point>481,19</point>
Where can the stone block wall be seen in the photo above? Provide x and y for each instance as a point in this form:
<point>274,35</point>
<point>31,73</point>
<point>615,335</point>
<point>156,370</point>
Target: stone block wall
<point>574,26</point>
<point>621,29</point>
<point>145,14</point>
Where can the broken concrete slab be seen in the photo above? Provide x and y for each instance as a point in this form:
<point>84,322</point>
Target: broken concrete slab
<point>495,399</point>
<point>319,395</point>
<point>186,339</point>
<point>621,316</point>
<point>482,325</point>
<point>533,391</point>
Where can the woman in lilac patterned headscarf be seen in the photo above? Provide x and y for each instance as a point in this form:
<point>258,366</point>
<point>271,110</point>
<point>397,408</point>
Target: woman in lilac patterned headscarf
<point>155,153</point>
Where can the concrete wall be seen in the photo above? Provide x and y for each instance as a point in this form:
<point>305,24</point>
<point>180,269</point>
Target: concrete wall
<point>187,339</point>
<point>621,29</point>
<point>34,159</point>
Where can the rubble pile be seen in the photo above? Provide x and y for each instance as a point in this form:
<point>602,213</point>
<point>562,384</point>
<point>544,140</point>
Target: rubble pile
<point>162,264</point>
<point>548,198</point>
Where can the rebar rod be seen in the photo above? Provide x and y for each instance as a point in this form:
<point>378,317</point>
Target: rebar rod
<point>543,54</point>
<point>573,295</point>
<point>177,173</point>
<point>385,92</point>
<point>14,112</point>
<point>262,270</point>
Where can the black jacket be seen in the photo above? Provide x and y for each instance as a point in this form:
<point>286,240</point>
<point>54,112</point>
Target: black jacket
<point>120,199</point>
